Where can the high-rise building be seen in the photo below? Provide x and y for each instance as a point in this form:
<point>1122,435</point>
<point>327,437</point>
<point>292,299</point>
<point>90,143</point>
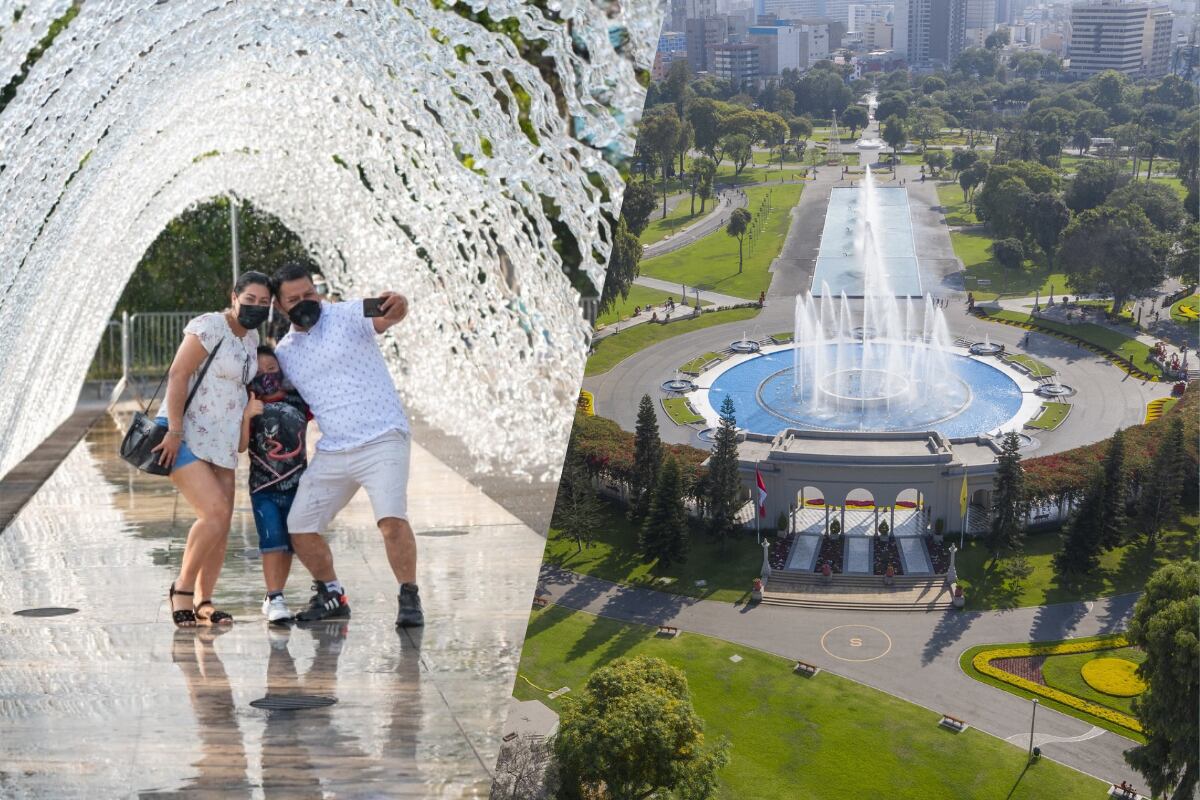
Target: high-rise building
<point>1132,38</point>
<point>703,35</point>
<point>980,21</point>
<point>878,36</point>
<point>672,47</point>
<point>791,9</point>
<point>929,32</point>
<point>859,14</point>
<point>779,48</point>
<point>736,63</point>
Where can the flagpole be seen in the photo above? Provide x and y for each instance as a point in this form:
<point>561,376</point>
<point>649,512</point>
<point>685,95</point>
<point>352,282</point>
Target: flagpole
<point>757,507</point>
<point>962,525</point>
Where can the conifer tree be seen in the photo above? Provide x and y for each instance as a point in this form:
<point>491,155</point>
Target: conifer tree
<point>1159,503</point>
<point>647,459</point>
<point>724,482</point>
<point>1009,502</point>
<point>665,531</point>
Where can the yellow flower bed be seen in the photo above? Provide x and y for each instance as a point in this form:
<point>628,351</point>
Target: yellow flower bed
<point>983,662</point>
<point>1114,676</point>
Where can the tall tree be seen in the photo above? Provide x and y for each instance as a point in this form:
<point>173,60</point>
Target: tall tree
<point>856,117</point>
<point>724,482</point>
<point>705,170</point>
<point>647,458</point>
<point>634,734</point>
<point>1111,249</point>
<point>1116,493</point>
<point>576,510</point>
<point>895,135</point>
<point>1092,184</point>
<point>737,227</point>
<point>1009,500</point>
<point>660,133</point>
<point>1164,625</point>
<point>1081,541</point>
<point>739,148</point>
<point>706,116</point>
<point>623,265</point>
<point>639,203</point>
<point>1010,253</point>
<point>664,534</point>
<point>1159,502</point>
<point>1158,202</point>
<point>1050,218</point>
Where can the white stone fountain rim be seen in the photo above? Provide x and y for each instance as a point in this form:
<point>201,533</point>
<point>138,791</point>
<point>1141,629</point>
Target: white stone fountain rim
<point>1031,402</point>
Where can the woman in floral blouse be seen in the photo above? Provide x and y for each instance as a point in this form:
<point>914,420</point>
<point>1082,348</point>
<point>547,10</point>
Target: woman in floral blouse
<point>201,445</point>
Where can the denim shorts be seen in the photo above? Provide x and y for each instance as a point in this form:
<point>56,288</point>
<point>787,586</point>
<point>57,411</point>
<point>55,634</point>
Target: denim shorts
<point>185,455</point>
<point>270,517</point>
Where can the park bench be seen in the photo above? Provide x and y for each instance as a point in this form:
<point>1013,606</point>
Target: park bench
<point>953,723</point>
<point>668,630</point>
<point>805,669</point>
<point>541,601</point>
<point>1123,791</point>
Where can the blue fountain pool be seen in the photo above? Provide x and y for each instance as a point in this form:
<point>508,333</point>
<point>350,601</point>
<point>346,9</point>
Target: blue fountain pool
<point>974,399</point>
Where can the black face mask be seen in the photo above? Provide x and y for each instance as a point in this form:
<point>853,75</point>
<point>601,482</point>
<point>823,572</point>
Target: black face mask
<point>250,317</point>
<point>305,313</point>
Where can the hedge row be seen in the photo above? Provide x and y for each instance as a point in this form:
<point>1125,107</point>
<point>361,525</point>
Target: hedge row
<point>1070,472</point>
<point>982,662</point>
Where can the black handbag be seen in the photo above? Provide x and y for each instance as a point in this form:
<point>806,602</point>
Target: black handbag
<point>145,434</point>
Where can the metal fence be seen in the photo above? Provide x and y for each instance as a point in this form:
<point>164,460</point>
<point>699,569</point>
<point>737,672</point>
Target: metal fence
<point>138,347</point>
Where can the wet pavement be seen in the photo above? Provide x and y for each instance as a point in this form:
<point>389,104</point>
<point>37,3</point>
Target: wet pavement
<point>113,701</point>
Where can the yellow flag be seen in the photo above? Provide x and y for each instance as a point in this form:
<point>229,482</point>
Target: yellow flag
<point>962,499</point>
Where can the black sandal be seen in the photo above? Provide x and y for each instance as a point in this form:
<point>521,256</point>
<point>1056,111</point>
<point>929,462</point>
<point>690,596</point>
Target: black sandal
<point>215,618</point>
<point>184,617</point>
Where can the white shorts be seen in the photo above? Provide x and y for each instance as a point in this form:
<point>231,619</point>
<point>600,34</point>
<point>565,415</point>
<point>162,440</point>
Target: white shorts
<point>379,466</point>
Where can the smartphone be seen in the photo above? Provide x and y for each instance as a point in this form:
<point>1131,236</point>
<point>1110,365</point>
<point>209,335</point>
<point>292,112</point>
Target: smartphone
<point>371,307</point>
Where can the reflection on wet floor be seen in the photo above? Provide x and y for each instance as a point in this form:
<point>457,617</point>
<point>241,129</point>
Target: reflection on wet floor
<point>114,702</point>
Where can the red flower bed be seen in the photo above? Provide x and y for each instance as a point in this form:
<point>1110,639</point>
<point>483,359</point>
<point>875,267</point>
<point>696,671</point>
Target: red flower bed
<point>887,552</point>
<point>779,552</point>
<point>831,551</point>
<point>1027,667</point>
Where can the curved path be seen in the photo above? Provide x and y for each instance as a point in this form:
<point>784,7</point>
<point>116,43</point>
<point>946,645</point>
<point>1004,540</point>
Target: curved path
<point>913,656</point>
<point>725,202</point>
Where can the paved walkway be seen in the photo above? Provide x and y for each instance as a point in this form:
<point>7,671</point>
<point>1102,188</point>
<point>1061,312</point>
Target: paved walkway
<point>724,204</point>
<point>911,655</point>
<point>112,701</point>
<point>706,296</point>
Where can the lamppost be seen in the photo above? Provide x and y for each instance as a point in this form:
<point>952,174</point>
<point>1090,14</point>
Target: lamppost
<point>1032,722</point>
<point>233,237</point>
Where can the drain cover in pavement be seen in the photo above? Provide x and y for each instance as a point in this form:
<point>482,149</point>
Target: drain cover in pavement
<point>442,533</point>
<point>292,702</point>
<point>45,612</point>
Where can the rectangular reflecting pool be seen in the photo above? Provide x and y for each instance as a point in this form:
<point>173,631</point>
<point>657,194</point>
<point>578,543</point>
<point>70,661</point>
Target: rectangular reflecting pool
<point>113,701</point>
<point>840,258</point>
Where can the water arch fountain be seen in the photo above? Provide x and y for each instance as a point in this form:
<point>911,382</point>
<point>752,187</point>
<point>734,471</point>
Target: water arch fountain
<point>408,146</point>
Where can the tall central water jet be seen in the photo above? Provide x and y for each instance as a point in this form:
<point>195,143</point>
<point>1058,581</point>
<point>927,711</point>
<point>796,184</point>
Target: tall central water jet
<point>893,356</point>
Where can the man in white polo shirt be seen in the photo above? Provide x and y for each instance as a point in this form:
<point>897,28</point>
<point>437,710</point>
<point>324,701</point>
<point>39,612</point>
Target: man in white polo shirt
<point>331,357</point>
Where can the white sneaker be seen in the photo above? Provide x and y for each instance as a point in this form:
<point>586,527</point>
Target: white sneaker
<point>276,610</point>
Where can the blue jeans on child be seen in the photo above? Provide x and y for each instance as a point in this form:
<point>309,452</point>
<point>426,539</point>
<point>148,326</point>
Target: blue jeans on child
<point>270,517</point>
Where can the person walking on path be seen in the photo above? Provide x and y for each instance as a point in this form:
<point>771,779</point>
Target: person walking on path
<point>332,359</point>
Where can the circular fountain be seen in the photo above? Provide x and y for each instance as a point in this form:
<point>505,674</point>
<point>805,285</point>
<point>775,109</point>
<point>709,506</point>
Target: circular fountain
<point>882,362</point>
<point>679,385</point>
<point>1055,390</point>
<point>745,345</point>
<point>986,348</point>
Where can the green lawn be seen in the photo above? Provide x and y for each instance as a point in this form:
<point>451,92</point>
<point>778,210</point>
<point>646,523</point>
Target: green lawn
<point>679,411</point>
<point>965,663</point>
<point>794,737</point>
<point>1097,335</point>
<point>713,260</point>
<point>1036,368</point>
<point>696,364</point>
<point>1174,183</point>
<point>1063,672</point>
<point>613,555</point>
<point>677,218</point>
<point>955,209</point>
<point>974,249</point>
<point>1122,570</point>
<point>614,349</point>
<point>638,296</point>
<point>1192,303</point>
<point>1051,417</point>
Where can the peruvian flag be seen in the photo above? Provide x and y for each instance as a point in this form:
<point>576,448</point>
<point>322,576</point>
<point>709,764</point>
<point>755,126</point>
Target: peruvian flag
<point>762,494</point>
